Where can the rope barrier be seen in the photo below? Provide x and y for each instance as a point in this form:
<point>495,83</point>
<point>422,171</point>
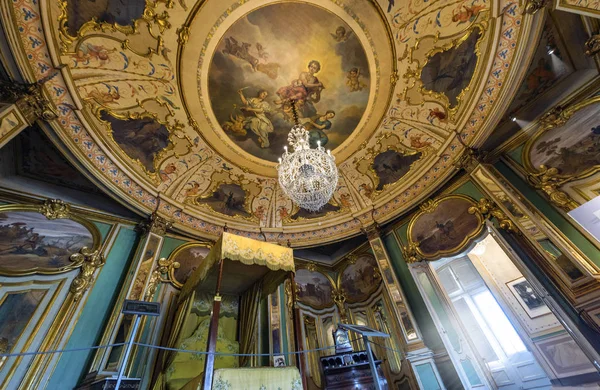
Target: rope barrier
<point>60,350</point>
<point>7,355</point>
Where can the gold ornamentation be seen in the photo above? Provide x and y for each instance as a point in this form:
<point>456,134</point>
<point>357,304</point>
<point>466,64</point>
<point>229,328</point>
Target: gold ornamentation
<point>394,78</point>
<point>482,24</point>
<point>312,267</point>
<point>155,224</point>
<point>372,231</point>
<point>547,181</point>
<point>592,45</point>
<point>553,118</point>
<point>89,261</point>
<point>488,209</point>
<point>427,206</point>
<point>339,298</point>
<point>175,254</point>
<point>410,252</point>
<point>533,6</point>
<point>55,209</point>
<point>183,35</point>
<point>164,267</point>
<point>29,99</point>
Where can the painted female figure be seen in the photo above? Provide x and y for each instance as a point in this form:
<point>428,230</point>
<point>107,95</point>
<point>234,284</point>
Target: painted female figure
<point>256,118</point>
<point>316,126</point>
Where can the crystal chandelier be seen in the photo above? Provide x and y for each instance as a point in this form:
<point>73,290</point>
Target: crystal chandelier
<point>308,176</point>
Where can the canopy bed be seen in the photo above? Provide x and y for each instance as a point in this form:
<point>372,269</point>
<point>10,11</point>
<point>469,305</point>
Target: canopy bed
<point>236,275</point>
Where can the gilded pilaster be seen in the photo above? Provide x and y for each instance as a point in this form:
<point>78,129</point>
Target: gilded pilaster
<point>410,334</point>
<point>145,275</point>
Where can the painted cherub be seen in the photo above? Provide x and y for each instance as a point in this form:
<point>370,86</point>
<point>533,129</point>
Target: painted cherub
<point>341,35</point>
<point>353,80</point>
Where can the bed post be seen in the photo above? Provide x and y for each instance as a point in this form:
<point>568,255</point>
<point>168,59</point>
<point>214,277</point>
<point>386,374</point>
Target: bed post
<point>301,361</point>
<point>209,362</point>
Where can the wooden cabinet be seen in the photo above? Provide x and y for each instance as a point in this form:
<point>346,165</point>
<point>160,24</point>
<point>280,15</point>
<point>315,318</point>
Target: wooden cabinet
<point>350,371</point>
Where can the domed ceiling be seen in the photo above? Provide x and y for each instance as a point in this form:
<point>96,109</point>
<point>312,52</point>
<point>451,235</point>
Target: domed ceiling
<point>191,102</point>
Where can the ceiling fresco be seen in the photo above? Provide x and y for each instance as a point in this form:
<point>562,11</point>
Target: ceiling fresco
<point>190,102</point>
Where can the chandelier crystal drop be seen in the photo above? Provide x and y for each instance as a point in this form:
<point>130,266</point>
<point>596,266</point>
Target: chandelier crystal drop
<point>308,176</point>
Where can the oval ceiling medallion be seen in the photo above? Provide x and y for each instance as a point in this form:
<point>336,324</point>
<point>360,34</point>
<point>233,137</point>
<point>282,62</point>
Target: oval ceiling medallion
<point>283,52</point>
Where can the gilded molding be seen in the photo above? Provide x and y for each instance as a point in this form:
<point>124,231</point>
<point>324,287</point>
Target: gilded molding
<point>89,261</point>
<point>488,209</point>
<point>55,209</point>
<point>547,181</point>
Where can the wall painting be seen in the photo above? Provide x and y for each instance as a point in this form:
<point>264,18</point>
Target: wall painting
<point>572,148</point>
<point>445,226</point>
<point>31,242</point>
<point>360,279</point>
<point>314,288</point>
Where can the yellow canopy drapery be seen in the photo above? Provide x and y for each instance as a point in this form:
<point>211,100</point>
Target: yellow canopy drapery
<point>247,251</point>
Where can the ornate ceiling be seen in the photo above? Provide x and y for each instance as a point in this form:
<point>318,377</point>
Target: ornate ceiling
<point>190,103</point>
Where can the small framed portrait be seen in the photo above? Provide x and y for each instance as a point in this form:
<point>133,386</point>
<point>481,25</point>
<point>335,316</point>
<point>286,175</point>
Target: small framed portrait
<point>531,302</point>
<point>279,361</point>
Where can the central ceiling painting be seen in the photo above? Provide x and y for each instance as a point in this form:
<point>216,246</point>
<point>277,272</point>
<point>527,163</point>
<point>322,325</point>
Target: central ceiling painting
<point>288,52</point>
<point>184,107</point>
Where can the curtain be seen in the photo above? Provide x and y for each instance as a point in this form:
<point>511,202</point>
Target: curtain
<point>167,358</point>
<point>249,308</point>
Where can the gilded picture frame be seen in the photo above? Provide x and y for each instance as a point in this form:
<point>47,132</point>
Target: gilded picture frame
<point>461,242</point>
<point>556,119</point>
<point>25,244</point>
<point>175,257</point>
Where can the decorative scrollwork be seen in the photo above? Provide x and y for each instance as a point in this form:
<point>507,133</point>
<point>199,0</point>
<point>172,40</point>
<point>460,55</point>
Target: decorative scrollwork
<point>488,209</point>
<point>339,298</point>
<point>55,209</point>
<point>547,181</point>
<point>312,267</point>
<point>155,224</point>
<point>410,252</point>
<point>553,118</point>
<point>89,261</point>
<point>29,99</point>
<point>533,6</point>
<point>164,267</point>
<point>427,206</point>
<point>592,45</point>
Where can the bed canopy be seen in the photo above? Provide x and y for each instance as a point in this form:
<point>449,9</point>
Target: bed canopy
<point>237,273</point>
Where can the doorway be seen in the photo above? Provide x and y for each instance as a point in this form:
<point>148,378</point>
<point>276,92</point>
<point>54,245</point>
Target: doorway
<point>496,328</point>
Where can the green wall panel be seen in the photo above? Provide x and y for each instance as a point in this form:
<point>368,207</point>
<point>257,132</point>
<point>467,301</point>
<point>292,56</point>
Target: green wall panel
<point>413,296</point>
<point>517,154</point>
<point>104,228</point>
<point>469,189</point>
<point>90,325</point>
<point>561,223</point>
<point>169,245</point>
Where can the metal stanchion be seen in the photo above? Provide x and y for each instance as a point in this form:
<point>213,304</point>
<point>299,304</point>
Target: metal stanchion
<point>137,309</point>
